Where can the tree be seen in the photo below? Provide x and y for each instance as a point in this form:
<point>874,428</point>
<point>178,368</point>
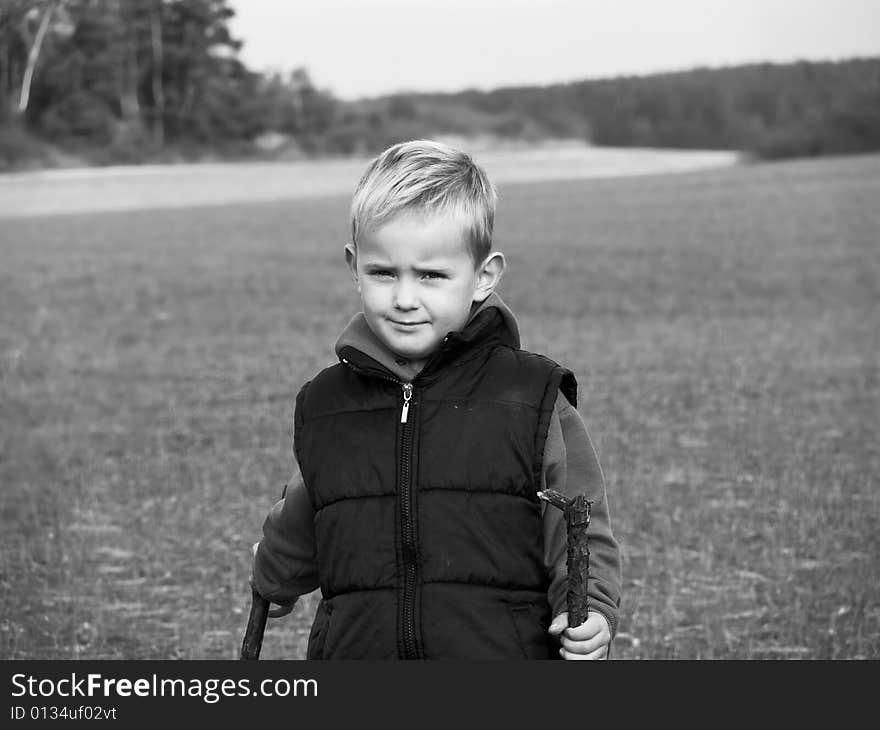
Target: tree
<point>156,73</point>
<point>34,54</point>
<point>24,27</point>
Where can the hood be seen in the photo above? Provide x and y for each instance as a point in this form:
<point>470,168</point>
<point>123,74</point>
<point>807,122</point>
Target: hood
<point>358,335</point>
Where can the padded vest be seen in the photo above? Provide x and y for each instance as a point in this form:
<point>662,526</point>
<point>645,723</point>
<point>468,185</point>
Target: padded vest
<point>428,528</point>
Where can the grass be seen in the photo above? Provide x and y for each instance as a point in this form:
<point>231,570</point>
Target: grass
<point>722,324</point>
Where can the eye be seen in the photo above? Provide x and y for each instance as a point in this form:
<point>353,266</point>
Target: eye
<point>434,275</point>
<point>380,273</point>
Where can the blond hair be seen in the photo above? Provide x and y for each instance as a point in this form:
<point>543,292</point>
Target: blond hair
<point>431,178</point>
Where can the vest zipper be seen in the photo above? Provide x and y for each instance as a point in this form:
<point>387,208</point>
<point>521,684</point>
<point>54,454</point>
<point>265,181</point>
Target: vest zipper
<point>404,490</point>
<point>407,397</point>
<point>410,551</point>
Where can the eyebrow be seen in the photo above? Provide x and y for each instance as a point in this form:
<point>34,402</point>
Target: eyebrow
<point>426,266</point>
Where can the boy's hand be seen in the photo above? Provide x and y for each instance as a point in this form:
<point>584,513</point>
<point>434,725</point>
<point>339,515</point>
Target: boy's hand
<point>588,641</point>
<point>281,609</point>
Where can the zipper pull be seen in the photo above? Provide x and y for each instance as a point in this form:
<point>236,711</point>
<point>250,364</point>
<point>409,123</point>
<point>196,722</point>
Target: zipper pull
<point>407,397</point>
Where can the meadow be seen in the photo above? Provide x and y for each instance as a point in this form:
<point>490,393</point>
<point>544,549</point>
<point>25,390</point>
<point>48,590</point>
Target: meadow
<point>723,325</point>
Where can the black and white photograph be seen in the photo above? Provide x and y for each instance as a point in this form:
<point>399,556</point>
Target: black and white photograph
<point>420,330</point>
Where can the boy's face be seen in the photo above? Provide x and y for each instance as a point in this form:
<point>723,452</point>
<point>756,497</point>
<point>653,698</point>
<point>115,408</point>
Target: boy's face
<point>417,280</point>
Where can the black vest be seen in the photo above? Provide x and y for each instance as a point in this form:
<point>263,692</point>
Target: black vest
<point>428,528</point>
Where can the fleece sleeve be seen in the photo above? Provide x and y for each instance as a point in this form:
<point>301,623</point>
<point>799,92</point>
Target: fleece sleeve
<point>285,564</point>
<point>571,467</point>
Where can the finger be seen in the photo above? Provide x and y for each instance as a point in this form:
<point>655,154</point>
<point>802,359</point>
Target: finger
<point>599,653</point>
<point>583,647</point>
<point>280,610</point>
<point>558,625</point>
<point>593,626</point>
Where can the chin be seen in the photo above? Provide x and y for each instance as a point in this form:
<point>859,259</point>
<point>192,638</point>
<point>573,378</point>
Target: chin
<point>410,352</point>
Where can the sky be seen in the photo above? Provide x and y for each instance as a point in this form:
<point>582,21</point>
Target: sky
<point>362,48</point>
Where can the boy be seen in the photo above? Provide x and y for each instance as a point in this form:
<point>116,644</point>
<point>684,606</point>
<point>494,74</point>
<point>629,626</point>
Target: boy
<point>420,453</point>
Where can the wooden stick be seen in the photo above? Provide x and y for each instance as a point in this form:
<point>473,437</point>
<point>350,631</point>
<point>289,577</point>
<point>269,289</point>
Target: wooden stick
<point>577,519</point>
<point>256,627</point>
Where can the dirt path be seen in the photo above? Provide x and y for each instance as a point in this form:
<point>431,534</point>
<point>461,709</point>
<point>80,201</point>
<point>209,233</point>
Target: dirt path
<point>162,186</point>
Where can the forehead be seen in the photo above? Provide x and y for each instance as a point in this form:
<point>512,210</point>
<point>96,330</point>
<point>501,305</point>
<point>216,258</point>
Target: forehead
<point>417,237</point>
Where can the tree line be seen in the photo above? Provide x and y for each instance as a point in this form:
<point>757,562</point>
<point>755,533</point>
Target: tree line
<point>126,80</point>
<point>140,80</point>
<point>771,110</point>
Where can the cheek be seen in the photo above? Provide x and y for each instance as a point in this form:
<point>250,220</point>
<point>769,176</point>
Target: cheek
<point>457,306</point>
<point>370,293</point>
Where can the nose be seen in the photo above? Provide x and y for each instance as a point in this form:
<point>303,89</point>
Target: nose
<point>404,295</point>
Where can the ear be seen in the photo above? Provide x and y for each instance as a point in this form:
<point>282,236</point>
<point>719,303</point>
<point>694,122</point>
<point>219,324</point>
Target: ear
<point>351,258</point>
<point>488,275</point>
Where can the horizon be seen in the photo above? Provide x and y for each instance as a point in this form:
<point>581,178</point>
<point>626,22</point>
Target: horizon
<point>646,75</point>
<point>517,43</point>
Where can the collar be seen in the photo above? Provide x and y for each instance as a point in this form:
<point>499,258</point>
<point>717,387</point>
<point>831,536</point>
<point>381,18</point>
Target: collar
<point>490,322</point>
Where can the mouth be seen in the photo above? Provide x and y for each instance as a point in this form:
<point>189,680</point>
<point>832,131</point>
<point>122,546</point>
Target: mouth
<point>405,325</point>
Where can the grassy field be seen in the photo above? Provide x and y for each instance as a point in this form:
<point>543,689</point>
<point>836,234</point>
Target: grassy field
<point>723,325</point>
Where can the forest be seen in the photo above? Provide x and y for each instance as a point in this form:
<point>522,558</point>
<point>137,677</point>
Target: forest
<point>101,82</point>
